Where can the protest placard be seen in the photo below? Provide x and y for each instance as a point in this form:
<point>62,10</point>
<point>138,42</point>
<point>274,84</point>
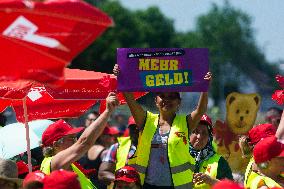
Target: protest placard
<point>162,69</point>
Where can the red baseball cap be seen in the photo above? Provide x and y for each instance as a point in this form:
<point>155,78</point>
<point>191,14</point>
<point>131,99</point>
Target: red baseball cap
<point>261,131</point>
<point>226,184</point>
<point>111,131</point>
<point>33,177</point>
<point>61,179</point>
<point>127,174</point>
<point>131,121</point>
<point>206,119</point>
<point>58,130</point>
<point>266,149</point>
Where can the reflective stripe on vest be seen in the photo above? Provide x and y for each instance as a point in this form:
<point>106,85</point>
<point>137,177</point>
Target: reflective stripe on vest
<point>249,174</point>
<point>122,151</point>
<point>209,167</point>
<point>84,181</point>
<point>256,181</point>
<point>181,162</point>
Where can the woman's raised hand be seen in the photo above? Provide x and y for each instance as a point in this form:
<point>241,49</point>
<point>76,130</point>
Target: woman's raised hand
<point>208,76</point>
<point>116,70</point>
<point>111,101</point>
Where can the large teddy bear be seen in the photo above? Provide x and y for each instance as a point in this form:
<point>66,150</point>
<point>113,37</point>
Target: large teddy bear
<point>241,112</point>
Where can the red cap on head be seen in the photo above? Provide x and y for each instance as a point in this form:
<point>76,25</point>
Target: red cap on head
<point>33,177</point>
<point>261,131</point>
<point>111,131</point>
<point>266,149</point>
<point>226,184</point>
<point>205,118</point>
<point>61,179</point>
<point>56,131</point>
<point>127,174</point>
<point>22,167</point>
<point>131,121</point>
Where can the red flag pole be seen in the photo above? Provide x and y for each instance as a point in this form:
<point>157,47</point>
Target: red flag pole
<point>27,134</point>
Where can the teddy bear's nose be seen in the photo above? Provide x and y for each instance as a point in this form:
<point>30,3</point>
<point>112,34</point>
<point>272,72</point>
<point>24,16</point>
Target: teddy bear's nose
<point>242,118</point>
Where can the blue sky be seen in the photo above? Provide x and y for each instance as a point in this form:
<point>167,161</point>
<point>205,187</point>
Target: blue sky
<point>267,18</point>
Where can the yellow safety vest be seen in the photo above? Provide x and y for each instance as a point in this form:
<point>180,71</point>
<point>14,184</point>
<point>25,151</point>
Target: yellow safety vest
<point>249,174</point>
<point>209,167</point>
<point>84,181</point>
<point>181,162</point>
<point>255,180</point>
<point>122,151</point>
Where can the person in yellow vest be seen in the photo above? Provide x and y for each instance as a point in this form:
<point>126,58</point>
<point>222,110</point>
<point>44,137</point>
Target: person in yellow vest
<point>268,155</point>
<point>61,147</point>
<point>163,159</point>
<point>209,166</point>
<point>247,144</point>
<point>119,153</point>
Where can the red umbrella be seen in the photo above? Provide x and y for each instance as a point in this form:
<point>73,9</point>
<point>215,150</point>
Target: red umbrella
<point>82,84</point>
<point>37,103</point>
<point>78,84</point>
<point>38,39</point>
<point>40,105</point>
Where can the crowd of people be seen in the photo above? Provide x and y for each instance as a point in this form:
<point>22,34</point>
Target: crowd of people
<point>164,150</point>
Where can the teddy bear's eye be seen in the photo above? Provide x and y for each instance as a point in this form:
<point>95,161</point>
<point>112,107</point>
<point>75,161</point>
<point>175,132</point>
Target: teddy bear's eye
<point>247,112</point>
<point>238,111</point>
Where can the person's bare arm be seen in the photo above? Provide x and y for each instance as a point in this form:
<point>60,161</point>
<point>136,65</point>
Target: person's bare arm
<point>136,109</point>
<point>280,129</point>
<point>63,159</point>
<point>106,172</point>
<point>195,116</point>
<point>138,113</point>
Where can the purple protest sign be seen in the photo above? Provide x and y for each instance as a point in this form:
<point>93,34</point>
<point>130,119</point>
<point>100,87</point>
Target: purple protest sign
<point>162,69</point>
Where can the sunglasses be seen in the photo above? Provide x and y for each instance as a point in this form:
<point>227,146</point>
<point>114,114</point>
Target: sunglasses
<point>127,173</point>
<point>70,138</point>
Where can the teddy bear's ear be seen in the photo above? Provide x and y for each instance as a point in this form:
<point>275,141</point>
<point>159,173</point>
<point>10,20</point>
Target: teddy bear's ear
<point>257,99</point>
<point>231,98</point>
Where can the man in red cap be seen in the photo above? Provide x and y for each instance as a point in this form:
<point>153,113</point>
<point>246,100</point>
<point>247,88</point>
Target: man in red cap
<point>269,156</point>
<point>61,149</point>
<point>120,153</point>
<point>127,178</point>
<point>247,144</point>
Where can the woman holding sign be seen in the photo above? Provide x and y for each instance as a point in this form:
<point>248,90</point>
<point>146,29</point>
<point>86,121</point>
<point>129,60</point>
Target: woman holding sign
<point>163,159</point>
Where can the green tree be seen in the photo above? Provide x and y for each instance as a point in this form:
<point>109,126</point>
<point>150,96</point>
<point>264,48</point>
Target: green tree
<point>228,33</point>
<point>147,28</point>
